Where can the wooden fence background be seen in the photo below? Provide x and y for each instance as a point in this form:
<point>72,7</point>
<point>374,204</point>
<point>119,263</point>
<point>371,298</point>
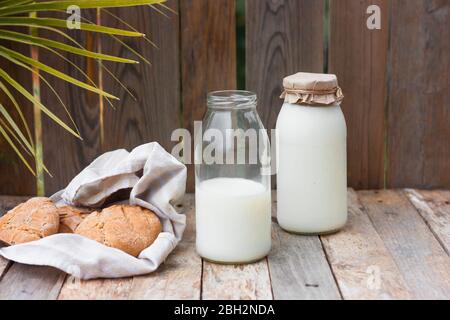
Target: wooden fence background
<point>396,81</point>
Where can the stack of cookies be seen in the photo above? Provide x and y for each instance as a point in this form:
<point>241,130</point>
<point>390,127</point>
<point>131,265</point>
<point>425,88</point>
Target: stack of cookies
<point>124,227</point>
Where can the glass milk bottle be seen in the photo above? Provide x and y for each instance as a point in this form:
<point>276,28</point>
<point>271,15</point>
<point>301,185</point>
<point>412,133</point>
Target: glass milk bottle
<point>311,156</point>
<point>233,189</point>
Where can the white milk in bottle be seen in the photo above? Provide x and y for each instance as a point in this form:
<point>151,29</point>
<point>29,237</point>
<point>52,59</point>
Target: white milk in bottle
<point>232,181</point>
<point>233,220</point>
<point>311,156</point>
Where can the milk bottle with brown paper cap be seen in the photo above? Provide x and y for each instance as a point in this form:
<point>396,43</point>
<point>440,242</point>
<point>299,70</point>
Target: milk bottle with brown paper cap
<point>311,155</point>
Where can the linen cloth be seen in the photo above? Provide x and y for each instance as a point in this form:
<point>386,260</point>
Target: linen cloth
<point>156,179</point>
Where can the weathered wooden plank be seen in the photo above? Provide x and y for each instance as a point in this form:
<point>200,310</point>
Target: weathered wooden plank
<point>179,278</point>
<point>4,264</point>
<point>361,264</point>
<point>298,267</point>
<point>64,154</point>
<point>418,140</point>
<point>99,289</point>
<point>19,281</point>
<point>156,111</point>
<point>15,178</point>
<point>283,37</point>
<point>244,282</point>
<point>208,56</point>
<point>434,207</point>
<point>424,264</point>
<point>23,282</point>
<point>6,204</point>
<point>361,67</point>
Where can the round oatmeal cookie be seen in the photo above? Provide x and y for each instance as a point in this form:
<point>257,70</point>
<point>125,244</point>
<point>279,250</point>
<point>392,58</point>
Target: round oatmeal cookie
<point>32,220</point>
<point>128,228</point>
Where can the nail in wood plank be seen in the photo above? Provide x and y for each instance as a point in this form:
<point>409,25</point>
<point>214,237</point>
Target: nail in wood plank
<point>179,278</point>
<point>362,266</point>
<point>422,261</point>
<point>23,282</point>
<point>298,266</point>
<point>299,269</point>
<point>434,207</point>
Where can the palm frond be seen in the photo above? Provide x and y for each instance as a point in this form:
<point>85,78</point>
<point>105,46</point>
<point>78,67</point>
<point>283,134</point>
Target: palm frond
<point>82,4</point>
<point>60,23</point>
<point>24,13</point>
<point>32,99</point>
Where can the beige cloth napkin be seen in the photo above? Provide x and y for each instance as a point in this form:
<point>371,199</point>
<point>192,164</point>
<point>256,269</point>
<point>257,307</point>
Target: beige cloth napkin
<point>162,182</point>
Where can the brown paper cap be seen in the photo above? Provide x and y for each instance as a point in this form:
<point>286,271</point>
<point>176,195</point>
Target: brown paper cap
<point>312,89</point>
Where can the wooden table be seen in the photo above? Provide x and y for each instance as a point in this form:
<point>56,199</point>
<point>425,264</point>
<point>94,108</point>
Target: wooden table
<point>395,246</point>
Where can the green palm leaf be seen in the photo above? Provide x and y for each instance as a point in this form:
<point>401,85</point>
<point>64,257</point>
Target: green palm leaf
<point>82,4</point>
<point>44,43</point>
<point>59,23</point>
<point>7,53</point>
<point>22,13</point>
<point>32,99</point>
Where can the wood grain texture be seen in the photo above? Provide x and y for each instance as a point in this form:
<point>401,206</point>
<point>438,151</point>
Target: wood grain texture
<point>6,204</point>
<point>4,265</point>
<point>361,264</point>
<point>424,264</point>
<point>283,37</point>
<point>434,207</point>
<point>99,289</point>
<point>23,282</point>
<point>419,95</point>
<point>229,282</point>
<point>298,267</point>
<point>156,111</point>
<point>64,154</point>
<point>208,56</point>
<point>15,179</point>
<point>179,278</point>
<point>358,56</point>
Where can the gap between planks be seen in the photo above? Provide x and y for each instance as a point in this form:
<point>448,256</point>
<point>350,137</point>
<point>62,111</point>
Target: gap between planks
<point>368,247</point>
<point>419,256</point>
<point>362,265</point>
<point>434,207</point>
<point>298,266</point>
